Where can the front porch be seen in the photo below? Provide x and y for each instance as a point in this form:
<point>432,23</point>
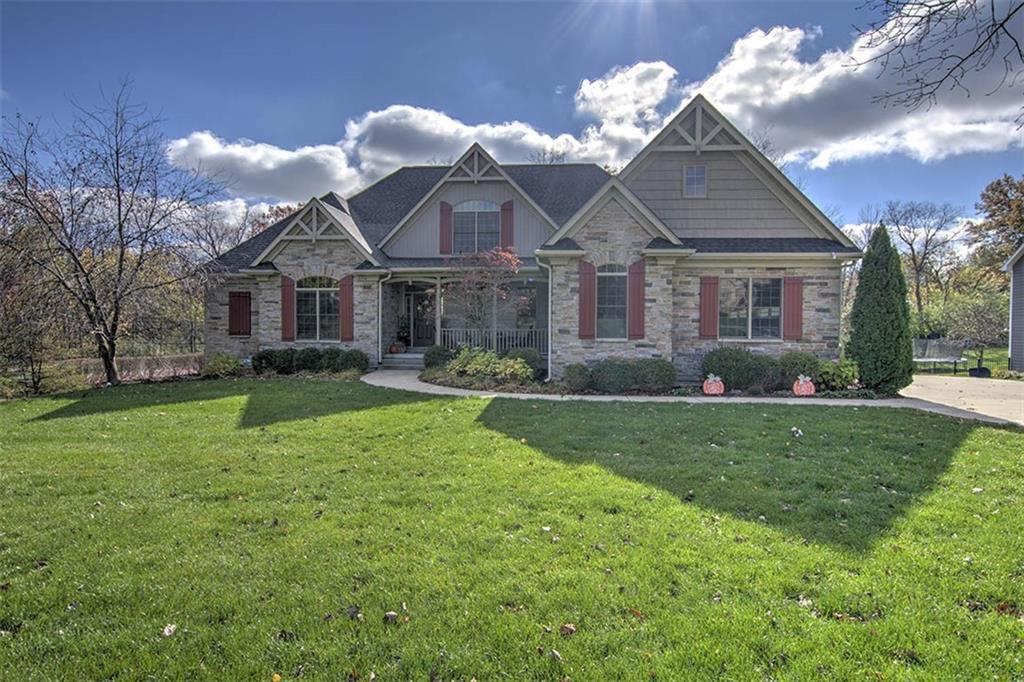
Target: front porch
<point>420,312</point>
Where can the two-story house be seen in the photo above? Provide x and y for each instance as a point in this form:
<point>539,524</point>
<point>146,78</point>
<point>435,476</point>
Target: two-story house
<point>699,241</point>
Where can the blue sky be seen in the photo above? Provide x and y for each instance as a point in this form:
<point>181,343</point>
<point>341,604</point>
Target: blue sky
<point>289,96</point>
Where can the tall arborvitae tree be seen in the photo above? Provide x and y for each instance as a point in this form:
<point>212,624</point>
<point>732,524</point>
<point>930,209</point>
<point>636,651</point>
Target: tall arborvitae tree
<point>880,322</point>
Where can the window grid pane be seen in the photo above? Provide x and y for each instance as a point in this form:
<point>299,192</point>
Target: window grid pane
<point>305,315</point>
<point>464,232</point>
<point>696,181</point>
<point>766,310</point>
<point>488,227</point>
<point>328,315</point>
<point>611,306</point>
<point>732,308</point>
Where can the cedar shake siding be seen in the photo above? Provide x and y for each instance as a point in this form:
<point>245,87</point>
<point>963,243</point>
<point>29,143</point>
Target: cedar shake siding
<point>634,265</point>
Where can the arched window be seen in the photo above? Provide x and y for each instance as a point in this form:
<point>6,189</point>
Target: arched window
<point>316,309</point>
<point>476,226</point>
<point>612,294</point>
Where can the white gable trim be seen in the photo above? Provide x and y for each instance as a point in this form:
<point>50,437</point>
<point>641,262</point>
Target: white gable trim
<point>614,189</point>
<point>701,141</point>
<point>314,223</point>
<point>474,172</point>
<point>1012,260</point>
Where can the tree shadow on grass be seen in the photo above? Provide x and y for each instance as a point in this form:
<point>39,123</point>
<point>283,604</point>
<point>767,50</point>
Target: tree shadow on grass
<point>843,483</point>
<point>268,401</point>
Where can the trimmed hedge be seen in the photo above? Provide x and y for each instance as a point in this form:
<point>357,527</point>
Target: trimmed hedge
<point>620,375</point>
<point>531,356</point>
<point>837,376</point>
<point>485,364</point>
<point>290,360</point>
<point>577,377</point>
<point>739,368</point>
<point>437,356</point>
<point>795,363</point>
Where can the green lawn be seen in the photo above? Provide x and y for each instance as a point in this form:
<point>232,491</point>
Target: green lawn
<point>696,541</point>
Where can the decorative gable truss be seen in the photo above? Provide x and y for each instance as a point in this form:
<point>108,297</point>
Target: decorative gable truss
<point>318,221</point>
<point>698,130</point>
<point>474,166</point>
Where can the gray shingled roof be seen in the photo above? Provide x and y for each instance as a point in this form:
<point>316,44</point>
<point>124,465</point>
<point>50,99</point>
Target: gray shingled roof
<point>559,189</point>
<point>765,245</point>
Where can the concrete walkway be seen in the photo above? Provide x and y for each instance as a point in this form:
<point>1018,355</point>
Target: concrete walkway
<point>992,397</point>
<point>406,380</point>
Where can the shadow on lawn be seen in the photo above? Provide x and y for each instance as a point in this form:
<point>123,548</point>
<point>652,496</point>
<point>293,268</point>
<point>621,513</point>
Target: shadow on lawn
<point>843,483</point>
<point>268,401</point>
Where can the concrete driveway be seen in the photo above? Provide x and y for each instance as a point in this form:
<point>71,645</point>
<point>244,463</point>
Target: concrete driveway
<point>994,397</point>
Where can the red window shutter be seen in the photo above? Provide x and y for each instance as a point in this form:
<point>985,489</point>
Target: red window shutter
<point>709,307</point>
<point>505,239</point>
<point>446,227</point>
<point>588,300</point>
<point>287,308</point>
<point>239,313</point>
<point>346,308</point>
<point>793,308</point>
<point>636,282</point>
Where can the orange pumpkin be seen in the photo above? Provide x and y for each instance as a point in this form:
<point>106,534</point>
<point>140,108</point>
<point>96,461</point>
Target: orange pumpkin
<point>713,386</point>
<point>803,387</point>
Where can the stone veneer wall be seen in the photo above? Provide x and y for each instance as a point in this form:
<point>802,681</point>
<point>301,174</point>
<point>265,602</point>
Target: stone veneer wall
<point>612,236</point>
<point>216,338</point>
<point>298,259</point>
<point>673,302</point>
<point>820,319</point>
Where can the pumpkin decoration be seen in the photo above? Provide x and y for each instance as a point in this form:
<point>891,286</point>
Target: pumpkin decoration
<point>396,347</point>
<point>713,385</point>
<point>803,386</point>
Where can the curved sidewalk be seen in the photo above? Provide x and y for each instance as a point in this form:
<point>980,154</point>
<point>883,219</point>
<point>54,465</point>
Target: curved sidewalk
<point>408,380</point>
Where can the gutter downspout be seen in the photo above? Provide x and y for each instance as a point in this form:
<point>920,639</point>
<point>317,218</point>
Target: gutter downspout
<point>550,277</point>
<point>380,321</point>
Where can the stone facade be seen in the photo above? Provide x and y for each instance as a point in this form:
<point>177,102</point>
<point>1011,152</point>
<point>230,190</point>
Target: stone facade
<point>672,301</point>
<point>612,236</point>
<point>298,259</point>
<point>821,314</point>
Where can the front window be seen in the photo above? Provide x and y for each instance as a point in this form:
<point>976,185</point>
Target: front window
<point>695,182</point>
<point>750,308</point>
<point>316,309</point>
<point>476,226</point>
<point>611,302</point>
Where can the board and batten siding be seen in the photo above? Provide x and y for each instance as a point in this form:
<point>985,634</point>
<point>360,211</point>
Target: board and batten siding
<point>1017,316</point>
<point>738,202</point>
<point>420,239</point>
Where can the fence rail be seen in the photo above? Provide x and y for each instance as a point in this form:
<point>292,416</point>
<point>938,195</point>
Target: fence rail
<point>499,341</point>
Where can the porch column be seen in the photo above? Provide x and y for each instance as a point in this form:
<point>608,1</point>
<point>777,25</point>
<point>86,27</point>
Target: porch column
<point>437,312</point>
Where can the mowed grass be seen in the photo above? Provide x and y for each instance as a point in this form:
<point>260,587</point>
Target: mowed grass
<point>682,541</point>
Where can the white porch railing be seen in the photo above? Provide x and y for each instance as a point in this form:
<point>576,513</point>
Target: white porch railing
<point>506,338</point>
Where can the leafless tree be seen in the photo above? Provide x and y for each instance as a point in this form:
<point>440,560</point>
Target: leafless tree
<point>936,45</point>
<point>547,156</point>
<point>926,233</point>
<point>106,205</point>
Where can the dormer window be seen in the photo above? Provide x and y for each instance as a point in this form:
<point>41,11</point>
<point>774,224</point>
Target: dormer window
<point>695,182</point>
<point>476,226</point>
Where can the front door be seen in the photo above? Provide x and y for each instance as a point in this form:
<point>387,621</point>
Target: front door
<point>422,318</point>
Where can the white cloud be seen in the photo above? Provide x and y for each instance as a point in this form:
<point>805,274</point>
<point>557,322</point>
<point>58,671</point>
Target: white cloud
<point>819,111</point>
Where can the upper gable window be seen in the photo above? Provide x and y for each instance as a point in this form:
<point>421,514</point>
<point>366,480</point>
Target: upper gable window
<point>695,182</point>
<point>476,226</point>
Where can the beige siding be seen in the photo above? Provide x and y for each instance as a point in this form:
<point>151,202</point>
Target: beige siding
<point>738,203</point>
<point>422,237</point>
